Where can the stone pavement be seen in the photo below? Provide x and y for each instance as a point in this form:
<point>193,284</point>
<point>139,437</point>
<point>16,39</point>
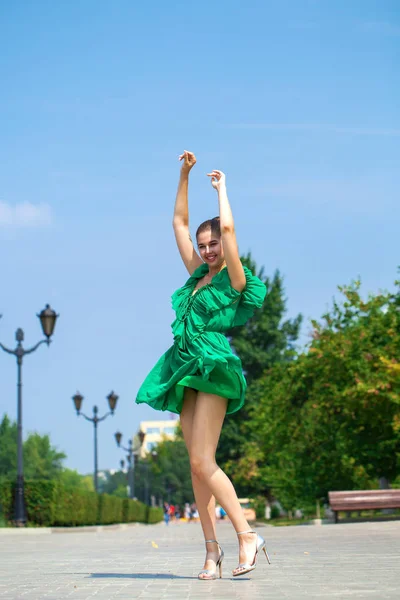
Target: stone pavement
<point>344,561</point>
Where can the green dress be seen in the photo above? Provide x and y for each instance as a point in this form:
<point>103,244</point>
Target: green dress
<point>201,357</point>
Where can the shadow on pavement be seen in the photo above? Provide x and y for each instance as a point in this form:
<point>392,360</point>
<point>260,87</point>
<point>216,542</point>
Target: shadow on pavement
<point>147,576</point>
<point>138,576</point>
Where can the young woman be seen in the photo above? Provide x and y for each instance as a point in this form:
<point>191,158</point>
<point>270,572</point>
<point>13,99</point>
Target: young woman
<point>199,377</point>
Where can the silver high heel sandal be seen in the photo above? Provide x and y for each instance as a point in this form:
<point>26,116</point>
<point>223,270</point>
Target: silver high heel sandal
<point>213,574</point>
<point>246,567</point>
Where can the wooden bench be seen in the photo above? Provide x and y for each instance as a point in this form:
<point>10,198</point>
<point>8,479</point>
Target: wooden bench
<point>363,500</point>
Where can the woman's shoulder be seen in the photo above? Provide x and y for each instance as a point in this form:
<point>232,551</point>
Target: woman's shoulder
<point>248,300</point>
<point>221,280</point>
<point>252,297</point>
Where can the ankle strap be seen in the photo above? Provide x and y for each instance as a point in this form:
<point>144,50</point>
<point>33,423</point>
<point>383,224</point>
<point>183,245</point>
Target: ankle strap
<point>248,531</point>
<point>211,541</point>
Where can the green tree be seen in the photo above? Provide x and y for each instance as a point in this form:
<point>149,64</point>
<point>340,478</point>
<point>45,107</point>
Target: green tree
<point>265,340</point>
<point>167,473</point>
<point>72,479</point>
<point>121,491</point>
<point>331,419</point>
<point>41,460</point>
<point>115,484</point>
<point>8,448</point>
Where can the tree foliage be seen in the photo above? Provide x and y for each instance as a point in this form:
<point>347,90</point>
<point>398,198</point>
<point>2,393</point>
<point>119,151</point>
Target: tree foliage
<point>72,479</point>
<point>8,448</point>
<point>331,418</point>
<point>267,339</point>
<point>167,474</point>
<point>41,459</point>
<point>115,483</point>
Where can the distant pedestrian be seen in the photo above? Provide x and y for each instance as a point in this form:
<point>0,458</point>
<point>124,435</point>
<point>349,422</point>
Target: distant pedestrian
<point>166,513</point>
<point>193,510</point>
<point>187,511</point>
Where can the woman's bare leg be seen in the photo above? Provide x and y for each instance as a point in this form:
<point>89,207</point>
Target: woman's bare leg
<point>208,417</point>
<point>205,501</point>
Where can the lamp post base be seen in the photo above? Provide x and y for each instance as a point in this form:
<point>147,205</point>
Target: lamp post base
<point>20,514</point>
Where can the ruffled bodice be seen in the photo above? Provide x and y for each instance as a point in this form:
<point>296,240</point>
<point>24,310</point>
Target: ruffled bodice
<point>201,357</point>
<point>216,306</point>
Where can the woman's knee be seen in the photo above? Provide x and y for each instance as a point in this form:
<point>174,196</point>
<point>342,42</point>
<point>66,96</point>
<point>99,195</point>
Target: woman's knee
<point>201,465</point>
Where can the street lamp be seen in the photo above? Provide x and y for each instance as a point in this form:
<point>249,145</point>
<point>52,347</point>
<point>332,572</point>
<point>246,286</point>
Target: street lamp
<point>47,319</point>
<point>130,457</point>
<point>112,403</point>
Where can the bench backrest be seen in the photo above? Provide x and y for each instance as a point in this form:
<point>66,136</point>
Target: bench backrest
<point>358,500</point>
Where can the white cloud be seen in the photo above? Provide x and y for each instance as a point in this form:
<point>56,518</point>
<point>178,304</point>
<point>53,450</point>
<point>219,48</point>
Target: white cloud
<point>322,128</point>
<point>25,214</point>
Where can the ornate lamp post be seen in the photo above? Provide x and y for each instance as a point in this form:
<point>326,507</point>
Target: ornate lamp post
<point>48,321</point>
<point>112,402</point>
<point>130,457</point>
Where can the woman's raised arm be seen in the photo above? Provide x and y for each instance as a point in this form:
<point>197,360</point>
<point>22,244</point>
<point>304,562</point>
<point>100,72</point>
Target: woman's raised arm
<point>229,243</point>
<point>181,216</point>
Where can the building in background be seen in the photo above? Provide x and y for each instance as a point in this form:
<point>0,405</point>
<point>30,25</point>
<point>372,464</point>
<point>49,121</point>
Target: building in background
<point>155,432</point>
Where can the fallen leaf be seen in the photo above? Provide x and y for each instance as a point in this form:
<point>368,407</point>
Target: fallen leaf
<point>306,553</point>
<point>154,545</point>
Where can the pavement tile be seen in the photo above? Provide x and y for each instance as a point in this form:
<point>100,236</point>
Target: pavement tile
<point>345,561</point>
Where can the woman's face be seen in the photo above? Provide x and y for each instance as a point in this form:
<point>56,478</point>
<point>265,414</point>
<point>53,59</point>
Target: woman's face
<point>210,248</point>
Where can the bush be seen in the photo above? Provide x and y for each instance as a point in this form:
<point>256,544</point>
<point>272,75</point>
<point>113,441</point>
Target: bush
<point>50,503</point>
<point>258,504</point>
<point>6,499</point>
<point>75,507</point>
<point>134,511</point>
<point>39,502</point>
<point>109,509</point>
<point>155,514</point>
<point>275,512</point>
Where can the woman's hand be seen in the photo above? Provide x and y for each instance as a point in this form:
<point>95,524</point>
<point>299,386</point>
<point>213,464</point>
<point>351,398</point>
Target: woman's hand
<point>217,179</point>
<point>189,160</point>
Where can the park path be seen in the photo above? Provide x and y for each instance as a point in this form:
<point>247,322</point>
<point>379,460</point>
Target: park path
<point>159,562</point>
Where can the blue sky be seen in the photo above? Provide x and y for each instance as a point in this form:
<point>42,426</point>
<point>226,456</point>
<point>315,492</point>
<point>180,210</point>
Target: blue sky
<point>296,101</point>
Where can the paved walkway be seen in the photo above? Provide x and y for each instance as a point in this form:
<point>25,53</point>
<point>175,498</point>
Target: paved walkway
<point>360,560</point>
